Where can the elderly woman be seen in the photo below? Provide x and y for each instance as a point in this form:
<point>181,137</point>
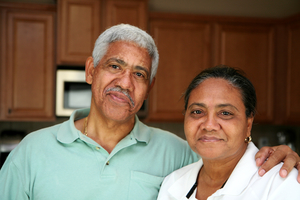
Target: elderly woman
<point>219,111</point>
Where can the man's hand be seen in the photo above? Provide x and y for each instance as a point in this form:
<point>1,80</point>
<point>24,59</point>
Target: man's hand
<point>273,156</point>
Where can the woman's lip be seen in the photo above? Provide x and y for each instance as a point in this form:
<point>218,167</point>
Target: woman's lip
<point>209,139</point>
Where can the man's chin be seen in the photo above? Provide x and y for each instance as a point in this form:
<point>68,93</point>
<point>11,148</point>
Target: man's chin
<point>120,115</point>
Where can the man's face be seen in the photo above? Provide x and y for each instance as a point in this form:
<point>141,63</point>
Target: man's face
<point>120,82</point>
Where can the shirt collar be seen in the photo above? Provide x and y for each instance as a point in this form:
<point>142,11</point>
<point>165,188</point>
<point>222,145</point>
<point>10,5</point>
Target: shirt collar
<point>242,173</point>
<point>245,168</point>
<point>68,133</point>
<point>140,131</point>
<point>183,185</point>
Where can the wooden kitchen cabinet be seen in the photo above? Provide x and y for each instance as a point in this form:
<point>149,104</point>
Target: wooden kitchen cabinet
<point>250,47</point>
<point>292,115</point>
<point>184,49</point>
<point>188,45</point>
<point>267,50</point>
<point>27,62</point>
<point>80,22</point>
<point>79,25</point>
<point>134,12</point>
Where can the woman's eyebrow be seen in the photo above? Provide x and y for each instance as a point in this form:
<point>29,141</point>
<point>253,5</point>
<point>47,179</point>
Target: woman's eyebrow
<point>227,105</point>
<point>197,104</point>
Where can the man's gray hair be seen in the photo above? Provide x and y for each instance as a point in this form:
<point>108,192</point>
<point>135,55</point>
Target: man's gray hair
<point>129,33</point>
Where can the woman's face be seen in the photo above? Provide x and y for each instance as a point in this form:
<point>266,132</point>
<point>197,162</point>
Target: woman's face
<point>215,122</point>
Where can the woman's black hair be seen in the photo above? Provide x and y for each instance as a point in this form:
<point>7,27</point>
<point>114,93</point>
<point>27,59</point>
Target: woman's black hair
<point>235,77</point>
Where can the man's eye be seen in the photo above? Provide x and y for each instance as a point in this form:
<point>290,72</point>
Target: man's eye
<point>115,66</point>
<point>139,74</point>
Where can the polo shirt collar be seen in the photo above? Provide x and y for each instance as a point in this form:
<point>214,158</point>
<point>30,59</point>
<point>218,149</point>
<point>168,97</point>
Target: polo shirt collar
<point>140,131</point>
<point>68,133</point>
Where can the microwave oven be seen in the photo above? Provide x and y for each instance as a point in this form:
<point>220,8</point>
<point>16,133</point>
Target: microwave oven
<point>72,92</point>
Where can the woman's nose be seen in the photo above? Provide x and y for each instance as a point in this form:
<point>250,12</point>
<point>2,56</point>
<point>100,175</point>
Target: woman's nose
<point>210,124</point>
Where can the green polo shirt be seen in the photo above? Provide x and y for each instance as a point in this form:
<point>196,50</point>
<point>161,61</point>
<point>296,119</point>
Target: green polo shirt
<point>61,163</point>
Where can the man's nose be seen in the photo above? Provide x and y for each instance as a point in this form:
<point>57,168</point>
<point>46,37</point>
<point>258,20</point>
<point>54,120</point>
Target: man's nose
<point>125,80</point>
<point>210,123</point>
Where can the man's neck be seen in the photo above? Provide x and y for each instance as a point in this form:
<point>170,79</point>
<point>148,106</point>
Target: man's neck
<point>105,132</point>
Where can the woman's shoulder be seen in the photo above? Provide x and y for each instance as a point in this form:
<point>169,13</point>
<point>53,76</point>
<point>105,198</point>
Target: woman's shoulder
<point>190,170</point>
<point>276,187</point>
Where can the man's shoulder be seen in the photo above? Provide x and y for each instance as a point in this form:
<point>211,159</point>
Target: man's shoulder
<point>48,132</point>
<point>166,136</point>
<point>40,138</point>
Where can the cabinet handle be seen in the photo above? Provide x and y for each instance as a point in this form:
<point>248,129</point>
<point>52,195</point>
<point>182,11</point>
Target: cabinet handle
<point>9,111</point>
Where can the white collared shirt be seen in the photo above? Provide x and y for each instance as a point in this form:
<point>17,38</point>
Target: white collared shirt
<point>243,183</point>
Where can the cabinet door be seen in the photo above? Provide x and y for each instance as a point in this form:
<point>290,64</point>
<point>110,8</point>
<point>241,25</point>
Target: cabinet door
<point>293,74</point>
<point>250,48</point>
<point>27,65</point>
<point>78,28</point>
<point>132,12</point>
<point>184,50</point>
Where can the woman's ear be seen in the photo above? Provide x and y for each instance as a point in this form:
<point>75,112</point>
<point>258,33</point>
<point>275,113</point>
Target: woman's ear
<point>89,70</point>
<point>249,125</point>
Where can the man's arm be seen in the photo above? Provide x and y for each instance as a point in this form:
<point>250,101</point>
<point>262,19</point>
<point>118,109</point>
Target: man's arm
<point>275,155</point>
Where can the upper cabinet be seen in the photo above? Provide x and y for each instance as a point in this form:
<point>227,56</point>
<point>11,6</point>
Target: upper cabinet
<point>250,47</point>
<point>184,49</point>
<point>293,72</point>
<point>80,22</point>
<point>27,62</point>
<point>134,12</point>
<point>266,50</point>
<point>79,25</point>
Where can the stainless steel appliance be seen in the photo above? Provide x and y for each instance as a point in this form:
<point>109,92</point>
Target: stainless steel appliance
<point>72,92</point>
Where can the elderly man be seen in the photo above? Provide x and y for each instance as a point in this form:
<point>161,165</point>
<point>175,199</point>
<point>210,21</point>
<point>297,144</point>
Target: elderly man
<point>105,152</point>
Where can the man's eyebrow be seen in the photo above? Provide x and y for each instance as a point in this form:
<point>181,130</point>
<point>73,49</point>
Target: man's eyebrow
<point>227,105</point>
<point>120,61</point>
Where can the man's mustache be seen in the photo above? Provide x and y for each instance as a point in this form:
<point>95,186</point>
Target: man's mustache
<point>118,89</point>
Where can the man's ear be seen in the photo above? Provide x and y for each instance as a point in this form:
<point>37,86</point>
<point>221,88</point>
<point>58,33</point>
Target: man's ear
<point>89,70</point>
<point>150,87</point>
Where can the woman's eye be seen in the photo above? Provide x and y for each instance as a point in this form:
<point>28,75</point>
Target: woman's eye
<point>196,112</point>
<point>225,113</point>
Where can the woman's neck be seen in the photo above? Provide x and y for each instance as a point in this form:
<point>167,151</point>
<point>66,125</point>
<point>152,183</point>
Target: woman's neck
<point>214,174</point>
